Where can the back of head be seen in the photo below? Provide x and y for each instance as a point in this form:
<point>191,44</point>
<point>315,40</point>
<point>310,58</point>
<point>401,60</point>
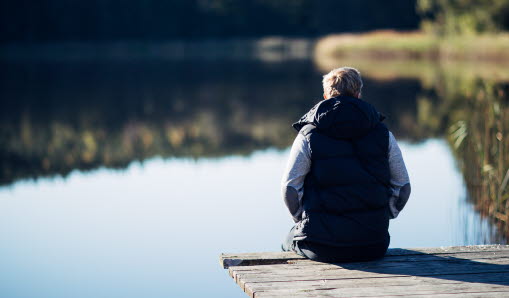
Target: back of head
<point>342,115</point>
<point>342,81</point>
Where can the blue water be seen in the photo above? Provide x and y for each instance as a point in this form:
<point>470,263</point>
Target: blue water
<point>157,228</point>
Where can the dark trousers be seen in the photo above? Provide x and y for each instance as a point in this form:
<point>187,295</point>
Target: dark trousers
<point>326,253</point>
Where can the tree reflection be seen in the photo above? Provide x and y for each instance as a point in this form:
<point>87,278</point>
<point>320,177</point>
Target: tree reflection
<point>61,117</point>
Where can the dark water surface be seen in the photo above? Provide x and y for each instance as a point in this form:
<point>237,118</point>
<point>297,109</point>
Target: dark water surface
<point>128,179</point>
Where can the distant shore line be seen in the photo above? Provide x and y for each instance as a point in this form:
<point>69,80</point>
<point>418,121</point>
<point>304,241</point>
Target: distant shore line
<point>378,45</point>
<point>390,44</point>
<point>268,49</point>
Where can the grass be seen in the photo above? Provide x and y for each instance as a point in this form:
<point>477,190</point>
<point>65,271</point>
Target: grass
<point>415,60</point>
<point>389,44</point>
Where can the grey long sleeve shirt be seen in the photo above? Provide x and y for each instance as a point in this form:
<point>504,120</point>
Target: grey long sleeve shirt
<point>299,164</point>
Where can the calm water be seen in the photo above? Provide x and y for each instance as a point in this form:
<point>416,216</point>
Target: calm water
<point>129,179</point>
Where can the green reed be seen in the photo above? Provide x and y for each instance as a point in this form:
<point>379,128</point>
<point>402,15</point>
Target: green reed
<point>478,135</point>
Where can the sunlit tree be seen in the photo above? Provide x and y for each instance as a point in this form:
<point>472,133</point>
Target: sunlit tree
<point>450,17</point>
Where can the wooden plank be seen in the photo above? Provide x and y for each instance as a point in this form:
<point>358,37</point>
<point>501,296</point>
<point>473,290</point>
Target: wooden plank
<point>399,264</point>
<point>447,295</point>
<point>265,258</point>
<point>450,295</point>
<point>453,295</point>
<point>248,259</point>
<point>408,268</point>
<point>384,291</point>
<point>485,257</point>
<point>492,278</point>
<point>419,293</point>
<point>293,273</point>
<point>447,249</point>
<point>451,275</point>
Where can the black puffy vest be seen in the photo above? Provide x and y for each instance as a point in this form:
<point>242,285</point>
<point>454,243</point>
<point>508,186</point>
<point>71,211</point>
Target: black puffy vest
<point>346,192</point>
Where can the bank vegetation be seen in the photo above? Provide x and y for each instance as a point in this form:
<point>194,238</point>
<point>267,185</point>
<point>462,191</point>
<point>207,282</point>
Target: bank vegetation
<point>449,30</point>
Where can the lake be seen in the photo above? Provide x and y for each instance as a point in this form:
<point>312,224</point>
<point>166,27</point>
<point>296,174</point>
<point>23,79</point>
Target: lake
<point>128,177</point>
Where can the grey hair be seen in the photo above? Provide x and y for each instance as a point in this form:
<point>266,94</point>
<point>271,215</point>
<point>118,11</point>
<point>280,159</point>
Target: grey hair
<point>342,81</point>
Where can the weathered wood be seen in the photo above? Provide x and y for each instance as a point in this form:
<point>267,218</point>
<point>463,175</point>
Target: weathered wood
<point>378,265</point>
<point>290,273</point>
<point>394,290</point>
<point>263,258</point>
<point>480,294</point>
<point>491,257</point>
<point>446,249</point>
<point>470,271</point>
<point>251,288</point>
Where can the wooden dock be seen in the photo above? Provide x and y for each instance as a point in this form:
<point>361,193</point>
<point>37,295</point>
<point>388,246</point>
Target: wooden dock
<point>463,271</point>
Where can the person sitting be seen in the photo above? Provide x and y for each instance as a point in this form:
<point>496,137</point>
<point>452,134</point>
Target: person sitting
<point>345,177</point>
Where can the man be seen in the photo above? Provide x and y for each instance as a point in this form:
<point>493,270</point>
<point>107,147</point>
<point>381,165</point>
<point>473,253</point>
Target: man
<point>345,176</point>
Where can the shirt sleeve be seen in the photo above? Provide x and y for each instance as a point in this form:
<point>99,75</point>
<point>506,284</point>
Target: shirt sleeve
<point>400,181</point>
<point>292,182</point>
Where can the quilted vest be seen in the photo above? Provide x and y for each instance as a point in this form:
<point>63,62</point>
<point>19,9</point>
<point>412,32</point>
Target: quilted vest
<point>346,192</point>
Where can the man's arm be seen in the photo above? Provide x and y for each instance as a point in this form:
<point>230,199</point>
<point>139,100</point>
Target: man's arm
<point>400,182</point>
<point>292,183</point>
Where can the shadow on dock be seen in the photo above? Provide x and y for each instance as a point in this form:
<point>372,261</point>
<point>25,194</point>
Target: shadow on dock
<point>475,267</point>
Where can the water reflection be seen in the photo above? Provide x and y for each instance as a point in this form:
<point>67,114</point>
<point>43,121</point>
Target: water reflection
<point>66,116</point>
<point>439,214</point>
<point>479,137</point>
<point>82,115</point>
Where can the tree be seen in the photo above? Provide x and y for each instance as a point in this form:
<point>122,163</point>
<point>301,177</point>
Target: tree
<point>452,17</point>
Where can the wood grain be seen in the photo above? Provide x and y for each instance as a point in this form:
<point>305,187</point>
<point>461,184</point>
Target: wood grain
<point>469,271</point>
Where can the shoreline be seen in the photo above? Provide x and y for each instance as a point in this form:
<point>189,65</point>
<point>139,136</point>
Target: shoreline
<point>413,45</point>
<point>269,49</point>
